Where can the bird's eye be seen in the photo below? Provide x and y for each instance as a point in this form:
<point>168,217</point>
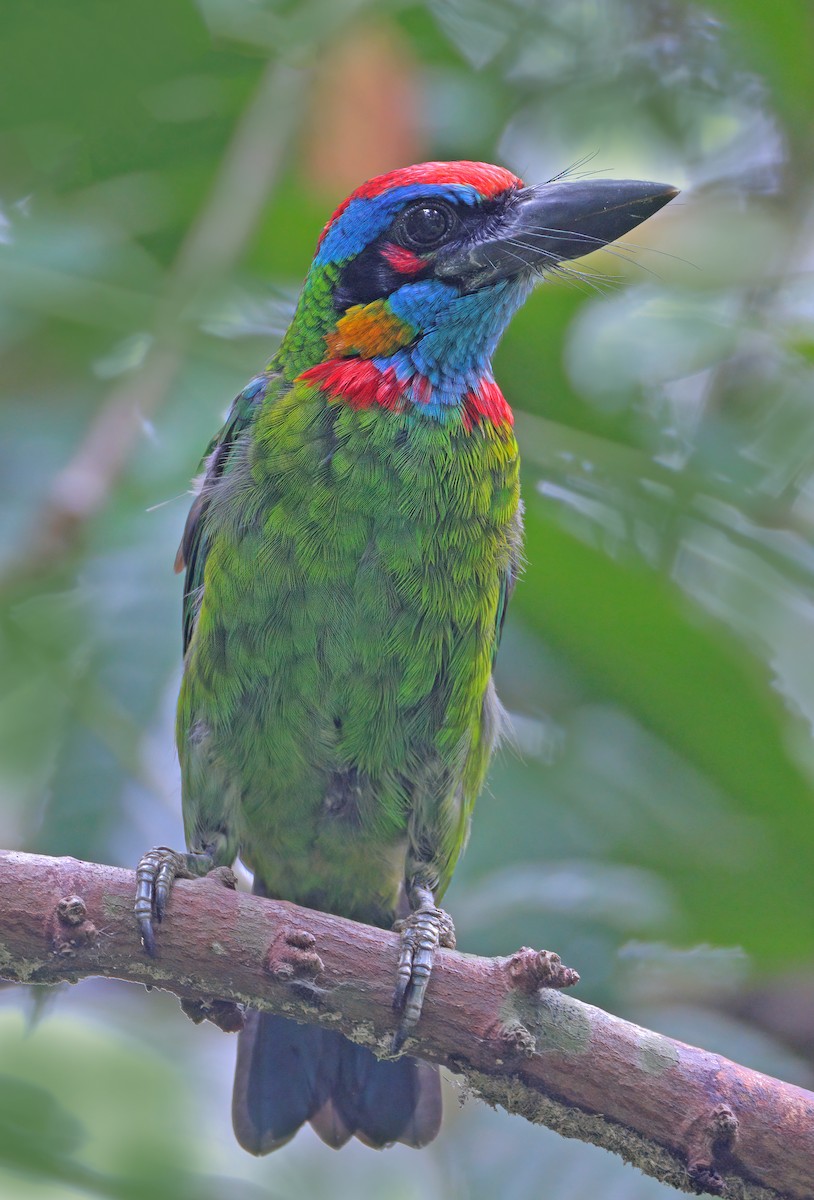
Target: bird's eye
<point>425,225</point>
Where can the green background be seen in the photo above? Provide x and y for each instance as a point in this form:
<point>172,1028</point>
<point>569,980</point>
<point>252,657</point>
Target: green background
<point>165,168</point>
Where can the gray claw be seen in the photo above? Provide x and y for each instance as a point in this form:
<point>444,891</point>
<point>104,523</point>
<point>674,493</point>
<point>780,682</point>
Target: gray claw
<point>421,934</point>
<point>155,874</point>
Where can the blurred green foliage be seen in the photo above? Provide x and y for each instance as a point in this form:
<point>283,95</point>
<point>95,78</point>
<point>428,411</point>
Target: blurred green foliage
<point>165,171</point>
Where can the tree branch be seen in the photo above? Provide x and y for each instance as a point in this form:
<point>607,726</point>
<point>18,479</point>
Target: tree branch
<point>691,1119</point>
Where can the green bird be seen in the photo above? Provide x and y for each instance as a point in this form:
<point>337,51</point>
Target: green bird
<point>349,558</point>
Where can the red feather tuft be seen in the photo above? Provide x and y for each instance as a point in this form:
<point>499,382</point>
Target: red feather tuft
<point>403,260</point>
<point>422,389</point>
<point>357,381</point>
<point>390,392</point>
<point>487,400</point>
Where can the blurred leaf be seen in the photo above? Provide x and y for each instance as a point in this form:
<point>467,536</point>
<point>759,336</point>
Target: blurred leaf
<point>771,37</point>
<point>30,1119</point>
<point>637,642</point>
<point>42,1138</point>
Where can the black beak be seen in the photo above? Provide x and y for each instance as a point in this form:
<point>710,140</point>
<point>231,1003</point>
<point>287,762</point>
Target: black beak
<point>549,223</point>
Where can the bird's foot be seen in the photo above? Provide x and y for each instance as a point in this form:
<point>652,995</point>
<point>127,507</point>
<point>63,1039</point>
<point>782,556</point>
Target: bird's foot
<point>156,872</point>
<point>422,933</point>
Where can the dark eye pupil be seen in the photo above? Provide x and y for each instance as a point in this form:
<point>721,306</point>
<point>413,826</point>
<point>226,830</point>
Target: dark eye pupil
<point>425,225</point>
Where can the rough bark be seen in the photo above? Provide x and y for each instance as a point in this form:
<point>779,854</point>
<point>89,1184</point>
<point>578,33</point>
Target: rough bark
<point>689,1118</point>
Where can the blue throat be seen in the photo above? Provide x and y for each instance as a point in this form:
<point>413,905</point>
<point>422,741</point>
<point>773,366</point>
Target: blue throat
<point>458,336</point>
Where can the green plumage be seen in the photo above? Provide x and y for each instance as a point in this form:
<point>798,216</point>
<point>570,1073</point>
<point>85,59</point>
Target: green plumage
<point>347,578</point>
<point>349,560</point>
<point>348,567</point>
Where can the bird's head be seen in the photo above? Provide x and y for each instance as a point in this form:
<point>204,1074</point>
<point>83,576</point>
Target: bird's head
<point>418,272</point>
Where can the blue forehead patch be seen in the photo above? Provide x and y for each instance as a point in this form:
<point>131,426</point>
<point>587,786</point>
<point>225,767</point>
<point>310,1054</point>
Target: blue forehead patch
<point>364,219</point>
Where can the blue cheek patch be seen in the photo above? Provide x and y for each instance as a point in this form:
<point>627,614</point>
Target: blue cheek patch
<point>458,334</point>
<point>423,304</point>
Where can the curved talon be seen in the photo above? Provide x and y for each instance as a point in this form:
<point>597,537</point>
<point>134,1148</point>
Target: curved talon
<point>164,879</point>
<point>421,934</point>
<point>155,875</point>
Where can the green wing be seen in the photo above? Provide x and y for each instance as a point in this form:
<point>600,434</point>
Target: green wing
<point>195,543</point>
<point>507,581</point>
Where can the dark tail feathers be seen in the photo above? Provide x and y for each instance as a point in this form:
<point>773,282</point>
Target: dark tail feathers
<point>288,1073</point>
